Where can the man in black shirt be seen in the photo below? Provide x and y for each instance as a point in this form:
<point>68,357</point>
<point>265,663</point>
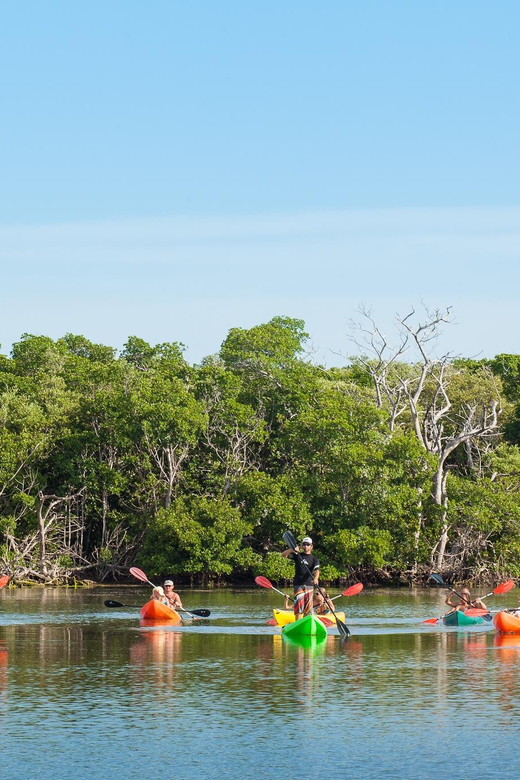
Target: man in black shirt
<point>306,575</point>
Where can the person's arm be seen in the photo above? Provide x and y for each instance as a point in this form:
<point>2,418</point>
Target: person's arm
<point>478,604</point>
<point>449,602</point>
<point>286,553</point>
<point>316,573</point>
<point>286,602</point>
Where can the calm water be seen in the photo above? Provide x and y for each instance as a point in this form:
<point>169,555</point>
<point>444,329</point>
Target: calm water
<point>88,692</point>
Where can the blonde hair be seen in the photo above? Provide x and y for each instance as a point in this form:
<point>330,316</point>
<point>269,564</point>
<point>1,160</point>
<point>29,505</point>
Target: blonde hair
<point>158,591</point>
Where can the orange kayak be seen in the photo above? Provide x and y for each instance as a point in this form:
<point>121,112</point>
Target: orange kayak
<point>155,610</point>
<point>506,623</point>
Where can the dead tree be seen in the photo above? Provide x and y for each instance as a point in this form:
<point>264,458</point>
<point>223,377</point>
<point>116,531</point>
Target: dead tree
<point>418,394</point>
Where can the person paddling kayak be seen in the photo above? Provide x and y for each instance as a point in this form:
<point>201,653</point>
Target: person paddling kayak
<point>306,576</point>
<point>174,600</point>
<point>465,603</point>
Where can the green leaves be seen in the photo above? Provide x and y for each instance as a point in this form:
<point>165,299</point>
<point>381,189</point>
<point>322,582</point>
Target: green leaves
<point>201,469</point>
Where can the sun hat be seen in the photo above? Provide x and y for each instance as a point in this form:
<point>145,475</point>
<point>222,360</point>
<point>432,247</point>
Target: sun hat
<point>306,540</point>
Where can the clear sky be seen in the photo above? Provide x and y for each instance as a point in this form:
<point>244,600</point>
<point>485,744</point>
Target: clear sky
<point>171,169</point>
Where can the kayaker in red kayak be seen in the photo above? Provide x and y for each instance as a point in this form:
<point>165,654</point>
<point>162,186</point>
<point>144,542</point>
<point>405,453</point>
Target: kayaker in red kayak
<point>306,575</point>
<point>465,603</point>
<point>173,599</point>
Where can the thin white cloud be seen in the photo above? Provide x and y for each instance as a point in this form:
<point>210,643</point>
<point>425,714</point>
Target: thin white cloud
<point>192,278</point>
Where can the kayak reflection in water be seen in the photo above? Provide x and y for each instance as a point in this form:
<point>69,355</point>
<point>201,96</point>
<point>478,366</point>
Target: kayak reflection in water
<point>465,603</point>
<point>306,575</point>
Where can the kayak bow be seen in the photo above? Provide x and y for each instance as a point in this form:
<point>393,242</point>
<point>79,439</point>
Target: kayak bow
<point>156,610</point>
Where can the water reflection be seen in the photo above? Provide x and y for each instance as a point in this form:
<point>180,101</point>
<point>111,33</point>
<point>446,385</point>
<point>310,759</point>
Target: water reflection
<point>111,695</point>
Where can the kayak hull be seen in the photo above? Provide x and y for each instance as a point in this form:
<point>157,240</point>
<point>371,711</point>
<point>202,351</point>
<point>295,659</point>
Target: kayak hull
<point>458,618</point>
<point>155,610</point>
<point>306,626</point>
<point>285,616</point>
<point>506,623</point>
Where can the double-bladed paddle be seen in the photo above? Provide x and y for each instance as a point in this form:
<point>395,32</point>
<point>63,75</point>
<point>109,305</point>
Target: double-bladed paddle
<point>198,612</point>
<point>353,590</point>
<point>265,583</point>
<point>140,575</point>
<point>291,542</point>
<point>504,587</point>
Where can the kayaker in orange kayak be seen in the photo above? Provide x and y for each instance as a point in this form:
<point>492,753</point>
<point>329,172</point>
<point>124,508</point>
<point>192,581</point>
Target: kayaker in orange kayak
<point>173,599</point>
<point>465,603</point>
<point>159,595</point>
<point>306,575</point>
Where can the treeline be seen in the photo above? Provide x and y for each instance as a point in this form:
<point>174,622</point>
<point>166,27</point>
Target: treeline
<point>395,467</point>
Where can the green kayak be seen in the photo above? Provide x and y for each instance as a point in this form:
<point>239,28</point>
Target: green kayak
<point>306,626</point>
<point>458,618</point>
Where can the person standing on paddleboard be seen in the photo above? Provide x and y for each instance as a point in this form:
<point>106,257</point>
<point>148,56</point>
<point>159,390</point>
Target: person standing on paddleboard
<point>306,575</point>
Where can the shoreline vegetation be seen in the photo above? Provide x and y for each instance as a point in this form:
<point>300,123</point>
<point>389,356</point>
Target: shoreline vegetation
<point>398,464</point>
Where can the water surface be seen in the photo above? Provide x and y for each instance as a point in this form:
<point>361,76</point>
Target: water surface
<point>86,691</point>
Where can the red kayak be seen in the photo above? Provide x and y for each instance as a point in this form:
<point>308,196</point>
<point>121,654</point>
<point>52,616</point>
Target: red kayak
<point>156,610</point>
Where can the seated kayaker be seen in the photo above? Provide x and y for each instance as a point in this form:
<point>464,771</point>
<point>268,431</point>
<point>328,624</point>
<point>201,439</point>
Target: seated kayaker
<point>322,604</point>
<point>173,599</point>
<point>465,603</point>
<point>159,595</point>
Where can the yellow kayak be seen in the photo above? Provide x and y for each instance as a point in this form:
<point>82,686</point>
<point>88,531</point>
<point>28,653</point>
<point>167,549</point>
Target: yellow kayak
<point>285,616</point>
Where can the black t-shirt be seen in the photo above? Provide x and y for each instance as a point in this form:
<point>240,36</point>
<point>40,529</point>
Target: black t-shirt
<point>302,574</point>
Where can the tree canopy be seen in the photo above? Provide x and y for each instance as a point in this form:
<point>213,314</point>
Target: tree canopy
<point>394,467</point>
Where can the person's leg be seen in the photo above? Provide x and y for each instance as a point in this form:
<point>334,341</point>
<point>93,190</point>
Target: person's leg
<point>299,603</point>
<point>307,600</point>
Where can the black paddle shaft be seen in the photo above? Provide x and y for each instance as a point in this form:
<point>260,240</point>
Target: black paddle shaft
<point>197,612</point>
<point>291,542</point>
<point>438,579</point>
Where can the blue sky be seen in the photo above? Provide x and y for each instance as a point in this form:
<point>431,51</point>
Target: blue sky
<point>171,170</point>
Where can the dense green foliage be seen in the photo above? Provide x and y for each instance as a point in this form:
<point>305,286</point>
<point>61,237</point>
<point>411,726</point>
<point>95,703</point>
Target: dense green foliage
<point>111,459</point>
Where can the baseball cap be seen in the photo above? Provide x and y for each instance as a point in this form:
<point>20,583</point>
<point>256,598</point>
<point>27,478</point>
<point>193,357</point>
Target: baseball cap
<point>168,582</point>
<point>307,539</point>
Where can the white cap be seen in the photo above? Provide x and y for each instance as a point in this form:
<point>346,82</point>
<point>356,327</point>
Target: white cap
<point>307,539</point>
<point>168,582</point>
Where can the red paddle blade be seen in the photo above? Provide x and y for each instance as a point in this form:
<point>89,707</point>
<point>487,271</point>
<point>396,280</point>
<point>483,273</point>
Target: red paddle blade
<point>4,580</point>
<point>271,622</point>
<point>353,590</point>
<point>476,612</point>
<point>138,574</point>
<point>262,581</point>
<point>504,587</point>
<point>326,621</point>
<point>431,620</point>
